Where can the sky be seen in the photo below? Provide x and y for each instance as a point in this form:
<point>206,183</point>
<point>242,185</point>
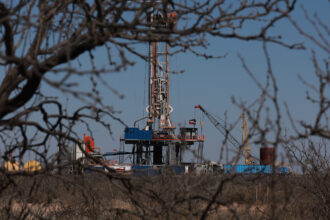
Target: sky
<point>213,83</point>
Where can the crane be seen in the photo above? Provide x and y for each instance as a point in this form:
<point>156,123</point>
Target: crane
<point>222,129</point>
<point>246,141</point>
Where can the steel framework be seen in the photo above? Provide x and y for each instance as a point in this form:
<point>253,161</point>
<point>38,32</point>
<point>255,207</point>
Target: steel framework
<point>162,145</point>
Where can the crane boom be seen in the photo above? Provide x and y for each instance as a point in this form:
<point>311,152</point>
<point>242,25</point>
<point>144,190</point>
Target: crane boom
<point>220,127</point>
<point>246,141</point>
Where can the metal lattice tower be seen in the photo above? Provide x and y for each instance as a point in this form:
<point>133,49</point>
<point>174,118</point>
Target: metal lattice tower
<point>158,142</point>
<point>159,108</point>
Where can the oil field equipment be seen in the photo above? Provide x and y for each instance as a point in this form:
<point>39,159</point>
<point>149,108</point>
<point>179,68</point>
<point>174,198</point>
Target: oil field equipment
<point>158,143</point>
<point>222,129</point>
<point>246,141</point>
<point>267,156</point>
<point>32,166</point>
<point>12,166</point>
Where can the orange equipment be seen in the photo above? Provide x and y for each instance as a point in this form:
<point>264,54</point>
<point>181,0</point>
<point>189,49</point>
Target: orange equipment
<point>89,142</point>
<point>173,17</point>
<point>172,20</point>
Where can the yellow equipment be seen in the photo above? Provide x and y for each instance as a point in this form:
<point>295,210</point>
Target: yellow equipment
<point>12,166</point>
<point>32,166</point>
<point>246,141</point>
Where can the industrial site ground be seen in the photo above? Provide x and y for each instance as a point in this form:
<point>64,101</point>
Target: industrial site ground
<point>171,197</point>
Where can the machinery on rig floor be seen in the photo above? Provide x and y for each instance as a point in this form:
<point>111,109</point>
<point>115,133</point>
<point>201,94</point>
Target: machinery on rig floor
<point>158,143</point>
<point>222,129</point>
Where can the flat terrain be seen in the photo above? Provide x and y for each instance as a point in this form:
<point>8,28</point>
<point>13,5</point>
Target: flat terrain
<point>96,196</point>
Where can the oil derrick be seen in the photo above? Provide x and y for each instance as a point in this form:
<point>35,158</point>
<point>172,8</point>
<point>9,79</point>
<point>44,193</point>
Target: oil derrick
<point>159,108</point>
<point>157,143</point>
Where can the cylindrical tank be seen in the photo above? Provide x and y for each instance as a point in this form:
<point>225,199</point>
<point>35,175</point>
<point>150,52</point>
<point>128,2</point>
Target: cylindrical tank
<point>11,166</point>
<point>267,155</point>
<point>32,166</point>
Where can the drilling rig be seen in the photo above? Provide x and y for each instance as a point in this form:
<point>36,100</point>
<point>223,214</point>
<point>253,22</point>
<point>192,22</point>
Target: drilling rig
<point>158,142</point>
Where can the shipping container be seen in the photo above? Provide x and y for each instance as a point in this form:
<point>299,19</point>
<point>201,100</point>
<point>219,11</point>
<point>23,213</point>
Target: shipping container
<point>253,169</point>
<point>188,133</point>
<point>246,169</point>
<point>137,134</point>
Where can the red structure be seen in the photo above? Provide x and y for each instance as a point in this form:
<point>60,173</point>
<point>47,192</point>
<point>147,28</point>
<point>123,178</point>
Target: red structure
<point>267,156</point>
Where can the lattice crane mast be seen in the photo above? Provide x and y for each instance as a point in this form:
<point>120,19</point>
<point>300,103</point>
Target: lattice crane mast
<point>222,129</point>
<point>246,141</point>
<point>219,126</point>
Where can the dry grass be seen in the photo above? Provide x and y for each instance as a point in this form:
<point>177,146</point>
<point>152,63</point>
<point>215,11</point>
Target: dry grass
<point>173,197</point>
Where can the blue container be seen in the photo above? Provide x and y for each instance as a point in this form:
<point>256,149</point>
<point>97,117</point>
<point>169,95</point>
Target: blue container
<point>136,134</point>
<point>131,133</point>
<point>140,167</point>
<point>256,169</point>
<point>141,170</point>
<point>282,170</point>
<point>153,172</point>
<point>178,169</point>
<point>247,169</point>
<point>146,135</point>
<point>145,170</point>
<point>93,167</point>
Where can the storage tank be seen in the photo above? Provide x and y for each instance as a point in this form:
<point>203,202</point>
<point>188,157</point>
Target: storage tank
<point>267,155</point>
<point>12,166</point>
<point>32,166</point>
